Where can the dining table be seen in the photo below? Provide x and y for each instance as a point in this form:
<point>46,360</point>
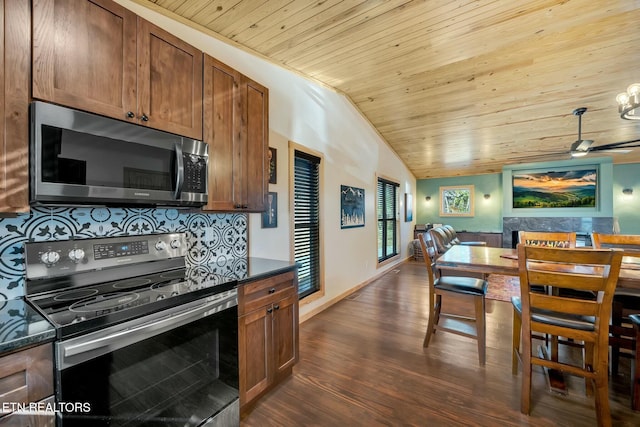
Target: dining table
<point>491,260</point>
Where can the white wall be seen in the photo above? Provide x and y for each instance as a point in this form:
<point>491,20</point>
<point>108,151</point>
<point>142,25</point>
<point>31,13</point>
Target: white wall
<point>353,154</point>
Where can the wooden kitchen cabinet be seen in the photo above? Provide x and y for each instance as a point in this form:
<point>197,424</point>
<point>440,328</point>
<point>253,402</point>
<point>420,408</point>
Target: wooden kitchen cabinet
<point>236,127</point>
<point>15,51</point>
<point>268,334</point>
<point>98,56</point>
<point>26,376</point>
<point>492,239</point>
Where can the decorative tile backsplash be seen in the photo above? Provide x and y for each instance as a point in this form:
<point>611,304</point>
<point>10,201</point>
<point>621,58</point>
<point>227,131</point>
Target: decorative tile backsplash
<point>211,238</point>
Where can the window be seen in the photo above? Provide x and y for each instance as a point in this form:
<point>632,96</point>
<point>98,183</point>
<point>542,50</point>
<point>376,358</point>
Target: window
<point>387,219</point>
<point>306,218</point>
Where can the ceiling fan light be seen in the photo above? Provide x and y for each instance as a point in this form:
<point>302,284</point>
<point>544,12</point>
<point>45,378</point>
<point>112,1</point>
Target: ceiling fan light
<point>622,99</point>
<point>578,153</point>
<point>633,89</point>
<point>629,103</point>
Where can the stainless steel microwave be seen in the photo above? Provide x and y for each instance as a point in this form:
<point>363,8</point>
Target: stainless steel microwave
<point>82,158</point>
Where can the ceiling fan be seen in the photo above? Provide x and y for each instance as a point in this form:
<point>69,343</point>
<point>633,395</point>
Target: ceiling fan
<point>582,147</point>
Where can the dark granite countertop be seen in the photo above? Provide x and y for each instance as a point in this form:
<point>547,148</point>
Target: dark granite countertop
<point>243,269</point>
<point>22,326</point>
<point>263,267</point>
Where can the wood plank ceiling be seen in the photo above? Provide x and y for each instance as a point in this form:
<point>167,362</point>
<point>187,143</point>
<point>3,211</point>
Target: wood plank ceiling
<point>456,87</point>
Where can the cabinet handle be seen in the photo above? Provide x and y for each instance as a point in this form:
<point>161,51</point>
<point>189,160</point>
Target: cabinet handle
<point>276,307</point>
<point>144,118</point>
<point>272,290</point>
<point>130,114</point>
<point>269,310</point>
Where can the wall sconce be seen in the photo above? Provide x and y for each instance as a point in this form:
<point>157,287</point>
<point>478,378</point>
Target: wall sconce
<point>428,198</point>
<point>487,196</point>
<point>627,191</point>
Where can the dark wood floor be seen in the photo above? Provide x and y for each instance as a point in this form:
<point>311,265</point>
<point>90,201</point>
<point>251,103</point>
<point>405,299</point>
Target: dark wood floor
<point>362,364</point>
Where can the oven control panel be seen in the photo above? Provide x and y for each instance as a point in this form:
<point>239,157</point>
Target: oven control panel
<point>114,250</point>
<point>46,259</point>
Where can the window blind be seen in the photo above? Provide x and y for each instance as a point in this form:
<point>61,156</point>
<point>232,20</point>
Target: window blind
<point>307,222</point>
<point>387,208</point>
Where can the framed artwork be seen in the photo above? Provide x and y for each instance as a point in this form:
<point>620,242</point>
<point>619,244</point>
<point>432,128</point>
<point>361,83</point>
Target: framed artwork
<point>408,207</point>
<point>351,207</point>
<point>456,200</point>
<point>270,216</point>
<point>568,188</point>
<point>273,165</point>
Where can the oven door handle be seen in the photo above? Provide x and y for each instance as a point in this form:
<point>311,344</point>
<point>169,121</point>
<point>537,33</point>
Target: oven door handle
<point>85,349</point>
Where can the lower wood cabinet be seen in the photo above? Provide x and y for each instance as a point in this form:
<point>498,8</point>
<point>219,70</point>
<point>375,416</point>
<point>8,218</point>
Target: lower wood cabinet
<point>268,334</point>
<point>26,376</point>
<point>493,240</point>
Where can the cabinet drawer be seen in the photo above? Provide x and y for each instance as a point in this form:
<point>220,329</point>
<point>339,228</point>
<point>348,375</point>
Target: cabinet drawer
<point>254,295</point>
<point>27,375</point>
<point>32,419</point>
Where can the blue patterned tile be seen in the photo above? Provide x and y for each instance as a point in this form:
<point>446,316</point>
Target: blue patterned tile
<point>211,238</point>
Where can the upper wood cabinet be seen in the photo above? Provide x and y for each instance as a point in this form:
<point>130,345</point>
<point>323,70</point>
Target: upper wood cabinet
<point>236,127</point>
<point>15,51</point>
<point>98,56</point>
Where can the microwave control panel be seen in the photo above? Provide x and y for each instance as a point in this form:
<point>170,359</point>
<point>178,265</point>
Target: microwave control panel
<point>195,173</point>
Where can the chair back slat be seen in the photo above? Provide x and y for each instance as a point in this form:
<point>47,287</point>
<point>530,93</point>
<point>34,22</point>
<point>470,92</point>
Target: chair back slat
<point>629,243</point>
<point>559,239</point>
<point>565,305</point>
<point>568,280</point>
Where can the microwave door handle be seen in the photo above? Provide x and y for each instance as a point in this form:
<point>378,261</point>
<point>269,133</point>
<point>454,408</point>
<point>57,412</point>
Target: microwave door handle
<point>179,171</point>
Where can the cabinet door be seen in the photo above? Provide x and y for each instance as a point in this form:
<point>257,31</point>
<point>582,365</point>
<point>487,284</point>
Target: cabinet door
<point>256,148</point>
<point>84,56</point>
<point>169,82</point>
<point>221,131</point>
<point>32,419</point>
<point>285,333</point>
<point>14,123</point>
<point>27,375</point>
<point>255,353</point>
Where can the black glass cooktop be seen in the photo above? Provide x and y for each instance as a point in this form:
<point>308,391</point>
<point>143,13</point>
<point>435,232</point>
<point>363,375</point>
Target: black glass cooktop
<point>81,309</point>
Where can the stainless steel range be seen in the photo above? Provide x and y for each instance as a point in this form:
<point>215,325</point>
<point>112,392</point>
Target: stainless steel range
<point>142,340</point>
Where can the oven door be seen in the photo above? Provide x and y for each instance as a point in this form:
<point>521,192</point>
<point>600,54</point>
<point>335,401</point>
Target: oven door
<point>178,367</point>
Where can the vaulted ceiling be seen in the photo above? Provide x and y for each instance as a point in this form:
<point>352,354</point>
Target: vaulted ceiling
<point>456,87</point>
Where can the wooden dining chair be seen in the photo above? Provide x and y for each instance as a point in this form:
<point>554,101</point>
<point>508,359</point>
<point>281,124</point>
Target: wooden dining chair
<point>581,319</point>
<point>554,239</point>
<point>625,301</point>
<point>449,286</point>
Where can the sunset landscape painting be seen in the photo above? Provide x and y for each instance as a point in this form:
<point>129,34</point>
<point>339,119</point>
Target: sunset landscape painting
<point>555,189</point>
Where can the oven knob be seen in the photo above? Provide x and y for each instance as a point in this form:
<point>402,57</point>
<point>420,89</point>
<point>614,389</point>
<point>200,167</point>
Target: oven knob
<point>160,297</point>
<point>175,244</point>
<point>49,258</point>
<point>76,255</point>
<point>161,246</point>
